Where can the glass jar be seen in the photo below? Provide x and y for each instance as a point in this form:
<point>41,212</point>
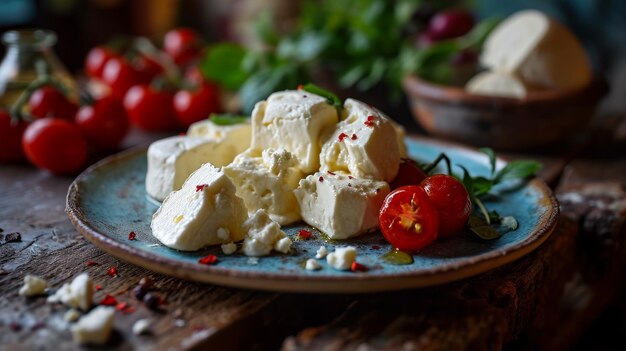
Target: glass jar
<point>30,55</point>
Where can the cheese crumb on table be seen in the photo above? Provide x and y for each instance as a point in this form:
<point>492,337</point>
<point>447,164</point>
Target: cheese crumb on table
<point>342,258</point>
<point>142,326</point>
<point>33,286</point>
<point>321,252</point>
<point>229,249</point>
<point>94,327</point>
<point>77,294</point>
<point>71,315</point>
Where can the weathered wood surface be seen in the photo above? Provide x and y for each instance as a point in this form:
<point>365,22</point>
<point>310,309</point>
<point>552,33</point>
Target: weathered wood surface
<point>486,312</point>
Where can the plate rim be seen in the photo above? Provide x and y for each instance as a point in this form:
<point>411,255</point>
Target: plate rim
<point>289,282</point>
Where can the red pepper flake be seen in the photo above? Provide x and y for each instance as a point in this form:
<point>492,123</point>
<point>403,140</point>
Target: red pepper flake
<point>161,301</point>
<point>201,187</point>
<point>208,259</point>
<point>182,133</point>
<point>350,177</point>
<point>198,328</point>
<point>342,136</point>
<point>357,267</point>
<point>125,307</point>
<point>108,301</point>
<point>98,287</point>
<point>300,87</point>
<point>112,271</point>
<point>91,263</point>
<point>353,137</point>
<point>132,236</point>
<point>321,179</point>
<point>304,234</point>
<point>370,121</point>
<point>375,247</point>
<point>350,185</point>
<point>331,173</point>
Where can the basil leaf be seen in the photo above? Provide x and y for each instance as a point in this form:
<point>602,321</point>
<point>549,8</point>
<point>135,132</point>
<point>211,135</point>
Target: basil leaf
<point>331,97</point>
<point>483,230</point>
<point>492,158</point>
<point>227,120</point>
<point>518,169</point>
<point>479,33</point>
<point>495,217</point>
<point>223,64</point>
<point>481,185</point>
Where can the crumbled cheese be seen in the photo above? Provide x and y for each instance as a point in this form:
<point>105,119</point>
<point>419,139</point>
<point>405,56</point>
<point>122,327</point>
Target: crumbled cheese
<point>142,326</point>
<point>78,294</point>
<point>342,258</point>
<point>33,286</point>
<point>71,315</point>
<point>321,252</point>
<point>95,327</point>
<point>229,249</point>
<point>283,245</point>
<point>312,265</point>
<point>263,235</point>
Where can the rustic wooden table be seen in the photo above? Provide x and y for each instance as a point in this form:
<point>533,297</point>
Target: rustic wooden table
<point>567,282</point>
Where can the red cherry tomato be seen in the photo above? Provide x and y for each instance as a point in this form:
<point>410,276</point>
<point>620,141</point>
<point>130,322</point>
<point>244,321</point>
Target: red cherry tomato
<point>450,24</point>
<point>407,219</point>
<point>56,145</point>
<point>451,200</point>
<point>105,123</point>
<point>49,102</point>
<point>96,59</point>
<point>150,109</point>
<point>193,106</point>
<point>11,138</point>
<point>120,76</point>
<point>409,174</point>
<point>182,45</point>
<point>148,67</point>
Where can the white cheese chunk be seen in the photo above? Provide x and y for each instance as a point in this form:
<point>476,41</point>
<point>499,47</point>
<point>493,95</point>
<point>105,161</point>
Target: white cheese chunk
<point>266,180</point>
<point>190,218</point>
<point>142,326</point>
<point>342,258</point>
<point>172,160</point>
<point>539,50</point>
<point>263,236</point>
<point>77,294</point>
<point>321,252</point>
<point>95,327</point>
<point>229,249</point>
<point>293,120</point>
<point>339,205</point>
<point>240,133</point>
<point>33,286</point>
<point>71,315</point>
<point>312,265</point>
<point>364,144</point>
<point>496,84</point>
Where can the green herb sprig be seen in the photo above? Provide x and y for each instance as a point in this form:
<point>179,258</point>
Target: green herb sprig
<point>332,98</point>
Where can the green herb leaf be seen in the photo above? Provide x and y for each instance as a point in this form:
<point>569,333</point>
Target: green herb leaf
<point>481,185</point>
<point>492,158</point>
<point>223,64</point>
<point>267,80</point>
<point>333,99</point>
<point>483,230</point>
<point>518,169</point>
<point>227,120</point>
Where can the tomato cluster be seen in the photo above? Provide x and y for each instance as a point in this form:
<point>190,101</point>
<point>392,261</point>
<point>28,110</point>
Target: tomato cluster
<point>59,133</point>
<point>423,208</point>
<point>132,77</point>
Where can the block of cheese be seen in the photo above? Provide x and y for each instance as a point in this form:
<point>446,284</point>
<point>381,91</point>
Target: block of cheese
<point>266,180</point>
<point>496,84</point>
<point>172,160</point>
<point>293,120</point>
<point>263,235</point>
<point>340,205</point>
<point>95,327</point>
<point>240,132</point>
<point>539,50</point>
<point>77,294</point>
<point>364,144</point>
<point>205,211</point>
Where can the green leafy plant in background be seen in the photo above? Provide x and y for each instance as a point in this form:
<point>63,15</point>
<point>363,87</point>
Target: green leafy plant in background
<point>362,43</point>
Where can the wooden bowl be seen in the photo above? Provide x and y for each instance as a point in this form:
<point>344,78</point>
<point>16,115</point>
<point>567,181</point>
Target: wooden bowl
<point>542,118</point>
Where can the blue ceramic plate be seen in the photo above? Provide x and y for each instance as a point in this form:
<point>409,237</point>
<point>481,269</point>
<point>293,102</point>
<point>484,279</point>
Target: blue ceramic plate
<point>108,201</point>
